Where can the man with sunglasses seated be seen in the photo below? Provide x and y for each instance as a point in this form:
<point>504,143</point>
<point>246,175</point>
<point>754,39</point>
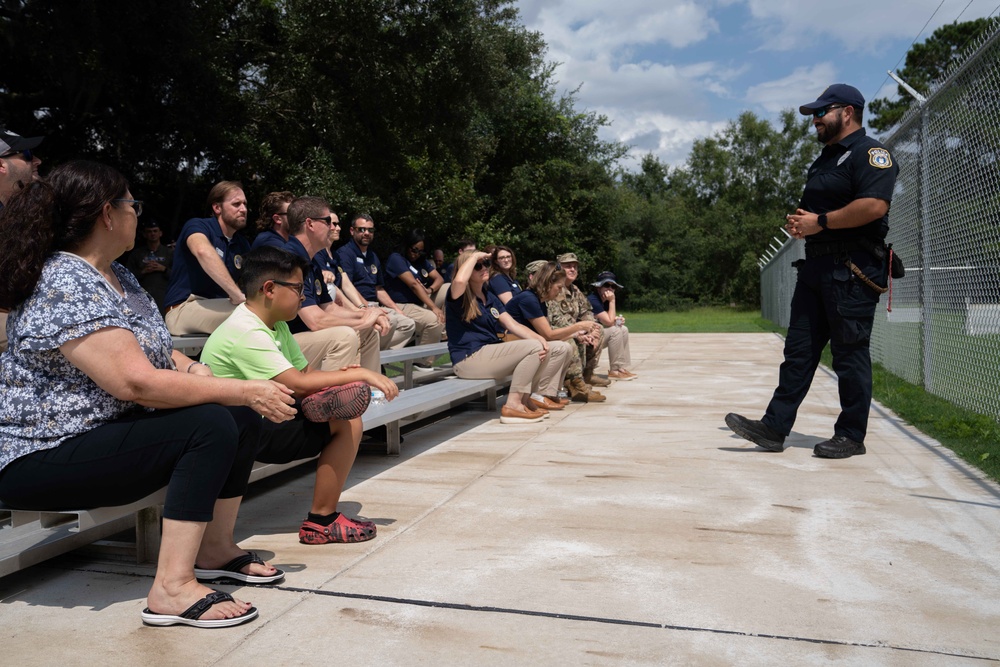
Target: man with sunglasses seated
<point>18,166</point>
<point>331,336</point>
<point>364,269</point>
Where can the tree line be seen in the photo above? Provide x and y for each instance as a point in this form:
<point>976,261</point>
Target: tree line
<point>441,115</point>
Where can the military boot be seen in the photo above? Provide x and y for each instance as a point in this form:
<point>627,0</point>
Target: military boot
<point>596,380</point>
<point>592,396</point>
<point>577,395</point>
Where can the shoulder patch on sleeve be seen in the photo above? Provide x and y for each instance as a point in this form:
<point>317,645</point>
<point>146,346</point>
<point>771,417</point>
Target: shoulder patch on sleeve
<point>879,158</point>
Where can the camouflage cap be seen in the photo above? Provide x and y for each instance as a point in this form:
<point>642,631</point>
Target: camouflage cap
<point>567,257</point>
<point>535,265</point>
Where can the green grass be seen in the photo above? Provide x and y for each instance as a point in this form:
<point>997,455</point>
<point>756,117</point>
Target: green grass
<point>699,320</point>
<point>973,437</point>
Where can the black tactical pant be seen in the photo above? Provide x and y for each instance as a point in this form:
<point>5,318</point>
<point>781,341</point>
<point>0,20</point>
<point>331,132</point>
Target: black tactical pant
<point>830,304</point>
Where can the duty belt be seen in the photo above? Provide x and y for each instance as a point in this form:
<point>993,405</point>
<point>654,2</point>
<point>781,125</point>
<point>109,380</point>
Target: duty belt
<point>823,248</point>
<point>844,249</point>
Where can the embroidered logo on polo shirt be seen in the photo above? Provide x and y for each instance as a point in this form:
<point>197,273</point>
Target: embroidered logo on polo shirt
<point>359,260</point>
<point>495,313</point>
<point>238,261</point>
<point>317,286</point>
<point>374,269</point>
<point>879,158</point>
<point>221,252</point>
<point>843,158</point>
<point>424,273</point>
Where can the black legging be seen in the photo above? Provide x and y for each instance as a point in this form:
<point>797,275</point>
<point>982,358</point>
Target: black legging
<point>200,454</point>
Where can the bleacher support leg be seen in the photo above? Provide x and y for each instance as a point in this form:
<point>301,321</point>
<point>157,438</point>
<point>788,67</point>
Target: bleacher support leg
<point>491,399</point>
<point>392,438</point>
<point>147,534</point>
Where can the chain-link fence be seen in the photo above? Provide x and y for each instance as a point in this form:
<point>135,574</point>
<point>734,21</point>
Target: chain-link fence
<point>943,331</point>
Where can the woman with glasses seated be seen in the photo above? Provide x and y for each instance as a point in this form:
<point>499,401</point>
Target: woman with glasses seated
<point>503,274</point>
<point>411,280</point>
<point>479,340</point>
<point>98,410</point>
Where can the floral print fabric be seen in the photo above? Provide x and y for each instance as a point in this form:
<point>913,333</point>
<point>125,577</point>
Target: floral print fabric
<point>46,399</point>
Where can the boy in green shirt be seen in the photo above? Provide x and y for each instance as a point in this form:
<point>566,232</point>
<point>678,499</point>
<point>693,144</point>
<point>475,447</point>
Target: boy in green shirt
<point>255,343</point>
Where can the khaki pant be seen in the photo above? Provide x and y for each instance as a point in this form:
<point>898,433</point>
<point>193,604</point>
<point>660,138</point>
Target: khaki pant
<point>441,295</point>
<point>369,342</point>
<point>402,330</point>
<point>428,328</point>
<point>619,354</point>
<point>3,332</point>
<point>198,316</point>
<point>330,349</point>
<point>520,359</point>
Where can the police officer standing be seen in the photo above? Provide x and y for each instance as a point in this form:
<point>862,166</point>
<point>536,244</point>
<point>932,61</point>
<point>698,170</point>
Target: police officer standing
<point>843,216</point>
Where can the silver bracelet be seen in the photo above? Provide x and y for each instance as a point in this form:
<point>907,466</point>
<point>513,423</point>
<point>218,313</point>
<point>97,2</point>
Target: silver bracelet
<point>193,364</point>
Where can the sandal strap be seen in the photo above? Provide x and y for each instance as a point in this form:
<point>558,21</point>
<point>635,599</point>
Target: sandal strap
<point>237,564</point>
<point>195,611</point>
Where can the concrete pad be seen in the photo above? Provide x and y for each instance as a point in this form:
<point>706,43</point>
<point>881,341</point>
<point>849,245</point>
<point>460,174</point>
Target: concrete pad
<point>637,531</point>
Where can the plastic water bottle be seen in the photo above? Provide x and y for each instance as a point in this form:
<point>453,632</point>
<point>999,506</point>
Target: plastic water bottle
<point>563,393</point>
<point>378,397</point>
<point>619,321</point>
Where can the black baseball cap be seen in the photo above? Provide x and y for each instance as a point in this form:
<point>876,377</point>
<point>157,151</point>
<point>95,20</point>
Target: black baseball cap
<point>11,142</point>
<point>838,93</point>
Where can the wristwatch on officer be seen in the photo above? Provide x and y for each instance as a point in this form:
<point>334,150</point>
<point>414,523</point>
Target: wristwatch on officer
<point>821,219</point>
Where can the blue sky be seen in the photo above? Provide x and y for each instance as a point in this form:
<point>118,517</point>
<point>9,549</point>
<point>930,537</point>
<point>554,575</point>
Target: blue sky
<point>668,72</point>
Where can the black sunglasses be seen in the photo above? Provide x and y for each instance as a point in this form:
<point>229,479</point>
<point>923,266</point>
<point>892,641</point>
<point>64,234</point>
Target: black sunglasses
<point>330,222</point>
<point>485,264</point>
<point>819,113</point>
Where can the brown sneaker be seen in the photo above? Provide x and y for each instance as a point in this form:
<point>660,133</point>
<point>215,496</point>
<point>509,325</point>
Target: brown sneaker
<point>620,375</point>
<point>509,415</point>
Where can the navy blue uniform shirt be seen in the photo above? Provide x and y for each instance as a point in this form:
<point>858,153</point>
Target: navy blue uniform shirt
<point>500,283</point>
<point>397,265</point>
<point>857,167</point>
<point>269,237</point>
<point>187,277</point>
<point>313,289</point>
<point>596,303</point>
<point>324,261</point>
<point>465,338</point>
<point>364,269</point>
<point>526,306</point>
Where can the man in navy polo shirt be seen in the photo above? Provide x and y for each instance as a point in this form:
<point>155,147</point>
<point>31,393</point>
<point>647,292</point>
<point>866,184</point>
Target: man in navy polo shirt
<point>330,335</point>
<point>844,218</point>
<point>363,267</point>
<point>18,165</point>
<point>203,288</point>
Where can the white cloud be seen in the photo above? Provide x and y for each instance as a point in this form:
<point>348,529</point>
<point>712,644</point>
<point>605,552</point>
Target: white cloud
<point>864,26</point>
<point>803,85</point>
<point>666,136</point>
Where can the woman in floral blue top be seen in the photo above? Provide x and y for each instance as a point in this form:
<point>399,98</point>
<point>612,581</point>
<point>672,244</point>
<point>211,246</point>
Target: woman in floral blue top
<point>97,409</point>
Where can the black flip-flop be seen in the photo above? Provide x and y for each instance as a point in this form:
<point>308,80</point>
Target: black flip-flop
<point>192,615</point>
<point>231,570</point>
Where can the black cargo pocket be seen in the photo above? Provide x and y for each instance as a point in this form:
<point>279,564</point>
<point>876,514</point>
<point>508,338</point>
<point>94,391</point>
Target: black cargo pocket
<point>854,312</point>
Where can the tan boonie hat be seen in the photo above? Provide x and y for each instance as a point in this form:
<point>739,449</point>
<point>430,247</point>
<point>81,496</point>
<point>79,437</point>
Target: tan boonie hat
<point>536,265</point>
<point>567,257</point>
